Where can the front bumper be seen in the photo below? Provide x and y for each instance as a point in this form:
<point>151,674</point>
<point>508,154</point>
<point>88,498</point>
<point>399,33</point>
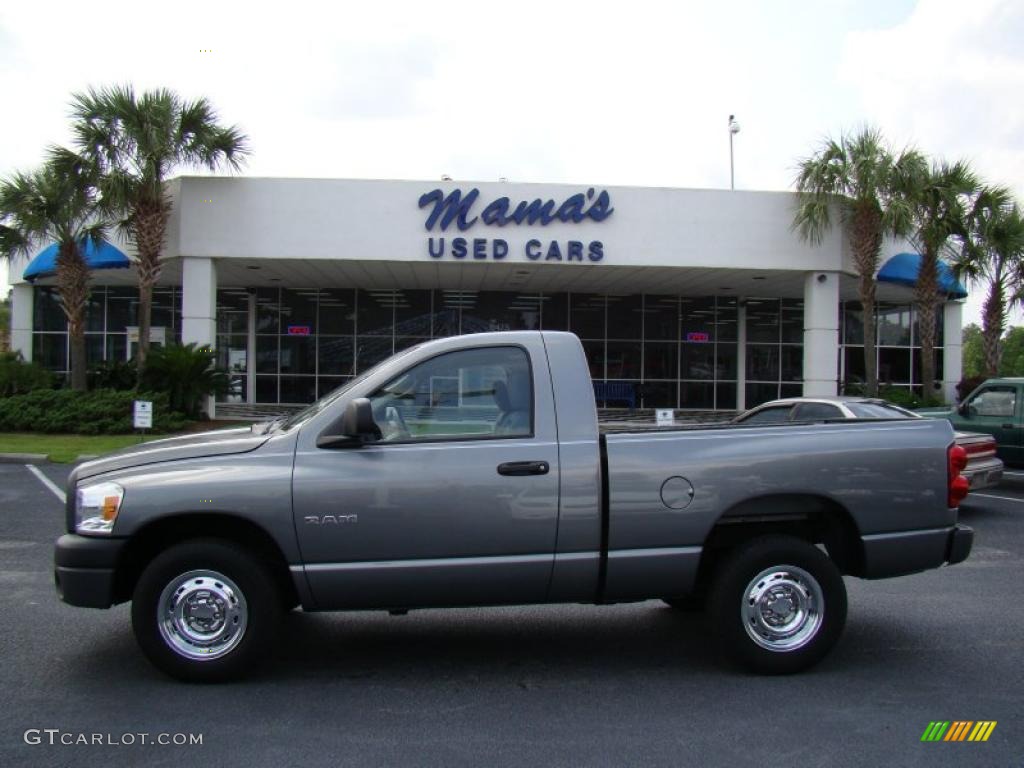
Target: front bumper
<point>84,569</point>
<point>897,554</point>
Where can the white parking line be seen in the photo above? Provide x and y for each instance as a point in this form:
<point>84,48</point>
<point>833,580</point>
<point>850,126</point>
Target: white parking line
<point>47,482</point>
<point>993,496</point>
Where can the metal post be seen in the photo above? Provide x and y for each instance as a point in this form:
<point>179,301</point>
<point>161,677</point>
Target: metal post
<point>734,128</point>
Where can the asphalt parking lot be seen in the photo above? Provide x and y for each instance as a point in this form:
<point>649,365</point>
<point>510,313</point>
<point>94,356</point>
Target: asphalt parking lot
<point>559,685</point>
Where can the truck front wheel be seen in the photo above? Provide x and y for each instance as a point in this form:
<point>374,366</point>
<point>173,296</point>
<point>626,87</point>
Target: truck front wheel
<point>778,604</point>
<point>205,610</point>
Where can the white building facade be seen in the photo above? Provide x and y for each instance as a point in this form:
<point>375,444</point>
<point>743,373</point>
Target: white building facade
<point>692,299</point>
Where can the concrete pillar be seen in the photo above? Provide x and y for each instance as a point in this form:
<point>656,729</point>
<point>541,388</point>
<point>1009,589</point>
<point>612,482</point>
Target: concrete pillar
<point>952,353</point>
<point>821,334</point>
<point>22,299</point>
<point>199,306</point>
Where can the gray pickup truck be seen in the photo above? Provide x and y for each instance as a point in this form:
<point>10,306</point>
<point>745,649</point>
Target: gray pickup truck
<point>472,471</point>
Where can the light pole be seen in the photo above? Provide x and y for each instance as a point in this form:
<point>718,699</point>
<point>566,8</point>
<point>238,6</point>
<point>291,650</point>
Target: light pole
<point>734,128</point>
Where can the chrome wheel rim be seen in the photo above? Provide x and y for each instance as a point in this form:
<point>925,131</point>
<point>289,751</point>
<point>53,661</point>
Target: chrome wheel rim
<point>202,615</point>
<point>783,608</point>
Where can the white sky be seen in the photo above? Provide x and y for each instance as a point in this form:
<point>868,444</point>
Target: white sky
<point>586,92</point>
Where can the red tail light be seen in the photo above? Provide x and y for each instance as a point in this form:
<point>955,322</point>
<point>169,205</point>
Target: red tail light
<point>958,485</point>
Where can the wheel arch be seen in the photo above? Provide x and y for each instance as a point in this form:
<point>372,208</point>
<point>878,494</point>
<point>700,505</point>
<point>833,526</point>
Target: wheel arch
<point>815,518</point>
<point>157,536</point>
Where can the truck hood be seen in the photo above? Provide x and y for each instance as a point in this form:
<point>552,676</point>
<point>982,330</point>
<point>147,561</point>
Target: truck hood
<point>214,443</point>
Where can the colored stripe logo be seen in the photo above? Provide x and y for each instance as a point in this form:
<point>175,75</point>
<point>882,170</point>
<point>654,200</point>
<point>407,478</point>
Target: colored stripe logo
<point>958,730</point>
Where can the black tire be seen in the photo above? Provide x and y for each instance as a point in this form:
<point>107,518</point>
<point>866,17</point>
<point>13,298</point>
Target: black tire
<point>229,592</point>
<point>687,604</point>
<point>795,577</point>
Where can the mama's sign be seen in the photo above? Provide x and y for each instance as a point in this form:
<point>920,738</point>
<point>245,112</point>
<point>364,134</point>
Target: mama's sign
<point>459,209</point>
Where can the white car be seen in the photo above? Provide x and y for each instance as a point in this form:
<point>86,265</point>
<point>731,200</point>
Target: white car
<point>984,469</point>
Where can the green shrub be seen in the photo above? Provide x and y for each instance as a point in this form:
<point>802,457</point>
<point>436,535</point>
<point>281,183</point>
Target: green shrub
<point>121,375</point>
<point>100,412</point>
<point>186,374</point>
<point>18,377</point>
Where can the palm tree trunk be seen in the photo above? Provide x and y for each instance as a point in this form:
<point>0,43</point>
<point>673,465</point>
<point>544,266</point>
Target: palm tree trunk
<point>866,243</point>
<point>867,302</point>
<point>927,290</point>
<point>73,287</point>
<point>149,230</point>
<point>993,322</point>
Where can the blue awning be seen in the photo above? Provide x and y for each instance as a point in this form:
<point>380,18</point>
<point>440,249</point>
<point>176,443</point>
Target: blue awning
<point>902,269</point>
<point>105,256</point>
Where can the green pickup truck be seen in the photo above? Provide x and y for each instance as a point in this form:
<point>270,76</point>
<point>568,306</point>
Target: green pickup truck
<point>994,408</point>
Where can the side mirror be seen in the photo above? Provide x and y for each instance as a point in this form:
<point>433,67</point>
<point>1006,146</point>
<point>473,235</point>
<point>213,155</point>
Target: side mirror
<point>964,410</point>
<point>356,427</point>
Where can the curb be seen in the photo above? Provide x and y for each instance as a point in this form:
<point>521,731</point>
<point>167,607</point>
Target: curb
<point>23,458</point>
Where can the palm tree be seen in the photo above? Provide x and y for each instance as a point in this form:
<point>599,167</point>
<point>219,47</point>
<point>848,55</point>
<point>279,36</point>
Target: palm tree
<point>861,176</point>
<point>942,196</point>
<point>57,203</point>
<point>992,251</point>
<point>136,143</point>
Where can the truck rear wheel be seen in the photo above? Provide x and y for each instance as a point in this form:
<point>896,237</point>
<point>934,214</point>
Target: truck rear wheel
<point>778,604</point>
<point>205,610</point>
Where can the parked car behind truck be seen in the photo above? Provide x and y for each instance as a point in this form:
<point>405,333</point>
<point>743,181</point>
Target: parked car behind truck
<point>472,471</point>
<point>994,408</point>
<point>984,469</point>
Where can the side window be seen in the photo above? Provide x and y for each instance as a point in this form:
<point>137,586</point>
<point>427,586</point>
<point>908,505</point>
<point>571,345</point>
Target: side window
<point>816,412</point>
<point>994,401</point>
<point>774,415</point>
<point>480,392</point>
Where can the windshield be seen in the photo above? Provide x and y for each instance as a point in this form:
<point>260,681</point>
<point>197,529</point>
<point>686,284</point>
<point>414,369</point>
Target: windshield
<point>312,410</point>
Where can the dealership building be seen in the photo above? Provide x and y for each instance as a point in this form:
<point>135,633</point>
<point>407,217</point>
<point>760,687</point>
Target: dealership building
<point>683,298</point>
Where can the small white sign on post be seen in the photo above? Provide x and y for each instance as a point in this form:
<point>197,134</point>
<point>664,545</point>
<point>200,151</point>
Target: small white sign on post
<point>664,416</point>
<point>143,414</point>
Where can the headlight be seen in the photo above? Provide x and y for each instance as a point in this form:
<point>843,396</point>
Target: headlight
<point>96,507</point>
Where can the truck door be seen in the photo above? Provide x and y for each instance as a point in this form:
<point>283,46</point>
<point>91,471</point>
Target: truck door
<point>996,409</point>
<point>457,504</point>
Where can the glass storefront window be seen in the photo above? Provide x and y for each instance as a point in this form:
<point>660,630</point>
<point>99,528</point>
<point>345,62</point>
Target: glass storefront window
<point>298,354</point>
<point>697,318</point>
<point>763,321</point>
<point>554,314</point>
<point>698,395</point>
<point>726,320</point>
<point>375,313</point>
<point>122,308</point>
<point>336,312</point>
<point>661,318</point>
<point>233,311</point>
<point>50,350</point>
<point>298,389</point>
<point>502,311</point>
<point>698,361</point>
<point>336,355</point>
<point>625,317</point>
<point>268,310</point>
<point>413,313</point>
<point>762,363</point>
<point>660,360</point>
<point>48,315</point>
<point>298,310</point>
<point>586,315</point>
<point>95,310</point>
<point>623,360</point>
<point>893,326</point>
<point>792,321</point>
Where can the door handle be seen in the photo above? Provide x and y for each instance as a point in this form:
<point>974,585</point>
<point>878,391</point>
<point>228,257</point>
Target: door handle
<point>518,468</point>
<point>1007,426</point>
